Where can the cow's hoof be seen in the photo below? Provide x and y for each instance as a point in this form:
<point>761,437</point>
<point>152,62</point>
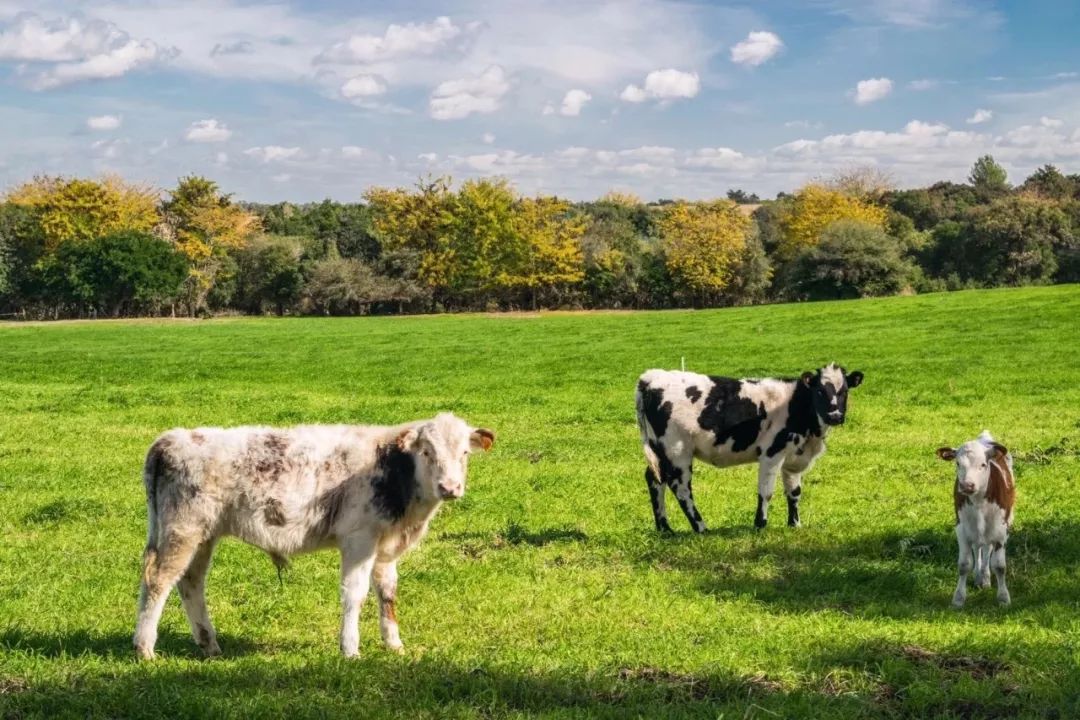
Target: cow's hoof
<point>1004,600</point>
<point>760,523</point>
<point>794,523</point>
<point>212,650</point>
<point>664,528</point>
<point>958,603</point>
<point>983,582</point>
<point>398,649</point>
<point>144,653</point>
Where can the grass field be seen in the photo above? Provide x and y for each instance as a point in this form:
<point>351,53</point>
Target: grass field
<point>546,591</point>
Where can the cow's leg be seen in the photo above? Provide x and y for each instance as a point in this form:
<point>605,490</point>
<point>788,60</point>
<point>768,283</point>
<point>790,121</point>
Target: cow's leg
<point>793,492</point>
<point>658,499</point>
<point>963,566</point>
<point>160,573</point>
<point>357,559</point>
<point>997,562</point>
<point>982,566</point>
<point>766,483</point>
<point>192,589</point>
<point>682,486</point>
<point>385,577</point>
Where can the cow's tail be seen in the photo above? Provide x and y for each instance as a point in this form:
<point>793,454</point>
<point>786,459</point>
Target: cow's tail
<point>152,471</point>
<point>648,437</point>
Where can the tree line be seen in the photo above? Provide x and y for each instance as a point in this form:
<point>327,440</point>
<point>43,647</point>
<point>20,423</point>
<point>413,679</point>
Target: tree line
<point>77,247</point>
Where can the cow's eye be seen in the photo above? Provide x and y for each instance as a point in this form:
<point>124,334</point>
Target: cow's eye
<point>983,466</point>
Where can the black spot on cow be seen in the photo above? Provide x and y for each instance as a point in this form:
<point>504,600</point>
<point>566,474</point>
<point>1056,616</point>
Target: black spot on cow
<point>394,482</point>
<point>657,412</point>
<point>802,421</point>
<point>759,516</point>
<point>274,512</point>
<point>330,505</point>
<point>730,417</point>
<point>669,473</point>
<point>656,491</point>
<point>693,393</point>
<point>793,507</point>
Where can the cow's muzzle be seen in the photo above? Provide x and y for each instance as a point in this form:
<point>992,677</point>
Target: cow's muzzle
<point>834,418</point>
<point>451,493</point>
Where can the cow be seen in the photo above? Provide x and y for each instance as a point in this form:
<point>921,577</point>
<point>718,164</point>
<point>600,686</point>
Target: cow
<point>369,491</point>
<point>780,424</point>
<point>983,496</point>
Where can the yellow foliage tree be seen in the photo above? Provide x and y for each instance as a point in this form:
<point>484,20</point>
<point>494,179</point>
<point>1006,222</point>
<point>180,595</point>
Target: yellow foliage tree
<point>75,209</point>
<point>552,239</point>
<point>205,221</point>
<point>814,209</point>
<point>703,243</point>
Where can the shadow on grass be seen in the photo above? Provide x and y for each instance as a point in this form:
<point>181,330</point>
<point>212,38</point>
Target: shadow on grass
<point>111,645</point>
<point>887,573</point>
<point>861,681</point>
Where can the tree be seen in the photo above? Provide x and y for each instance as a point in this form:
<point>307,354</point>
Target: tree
<point>79,210</point>
<point>348,286</point>
<point>1048,183</point>
<point>1018,240</point>
<point>704,243</point>
<point>814,209</point>
<point>988,178</point>
<point>864,182</point>
<point>741,197</point>
<point>205,224</point>
<point>268,272</point>
<point>128,271</point>
<point>854,259</point>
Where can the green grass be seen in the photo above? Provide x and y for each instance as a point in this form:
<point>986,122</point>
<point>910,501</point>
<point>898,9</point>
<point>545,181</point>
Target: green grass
<point>546,591</point>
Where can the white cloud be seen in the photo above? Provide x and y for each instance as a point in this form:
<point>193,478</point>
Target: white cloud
<point>803,124</point>
<point>281,177</point>
<point>488,138</point>
<point>573,101</point>
<point>108,149</point>
<point>666,84</point>
<point>428,157</point>
<point>354,152</point>
<point>1050,122</point>
<point>221,159</point>
<point>103,122</point>
<point>980,116</point>
<point>207,131</point>
<point>274,153</point>
<point>75,49</point>
<point>456,99</point>
<point>504,162</point>
<point>240,47</point>
<point>758,47</point>
<point>717,158</point>
<point>872,90</point>
<point>923,84</point>
<point>399,41</point>
<point>363,86</point>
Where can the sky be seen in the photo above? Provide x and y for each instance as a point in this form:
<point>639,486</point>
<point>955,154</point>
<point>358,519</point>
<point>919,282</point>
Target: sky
<point>304,101</point>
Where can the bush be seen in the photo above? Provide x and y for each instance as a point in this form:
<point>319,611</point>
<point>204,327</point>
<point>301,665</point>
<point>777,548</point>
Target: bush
<point>853,259</point>
<point>268,273</point>
<point>347,286</point>
<point>124,273</point>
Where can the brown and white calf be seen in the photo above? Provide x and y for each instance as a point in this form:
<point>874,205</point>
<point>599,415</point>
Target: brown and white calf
<point>780,424</point>
<point>984,496</point>
<point>369,491</point>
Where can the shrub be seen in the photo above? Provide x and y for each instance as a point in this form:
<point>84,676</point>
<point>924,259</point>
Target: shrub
<point>853,259</point>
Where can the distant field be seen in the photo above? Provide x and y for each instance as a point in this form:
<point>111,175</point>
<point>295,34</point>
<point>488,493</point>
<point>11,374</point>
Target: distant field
<point>546,591</point>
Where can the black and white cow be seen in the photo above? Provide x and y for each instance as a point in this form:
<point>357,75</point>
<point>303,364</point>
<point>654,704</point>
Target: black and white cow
<point>780,424</point>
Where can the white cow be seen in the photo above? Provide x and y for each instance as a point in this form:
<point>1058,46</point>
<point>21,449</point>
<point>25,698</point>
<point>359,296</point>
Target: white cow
<point>369,491</point>
<point>984,496</point>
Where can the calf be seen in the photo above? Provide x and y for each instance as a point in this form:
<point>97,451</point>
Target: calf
<point>369,491</point>
<point>983,496</point>
<point>779,424</point>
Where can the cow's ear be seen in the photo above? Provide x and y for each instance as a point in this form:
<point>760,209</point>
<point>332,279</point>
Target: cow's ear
<point>998,451</point>
<point>481,439</point>
<point>807,378</point>
<point>854,379</point>
<point>406,439</point>
<point>946,453</point>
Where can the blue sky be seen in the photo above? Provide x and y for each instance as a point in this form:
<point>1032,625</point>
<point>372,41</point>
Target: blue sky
<point>301,101</point>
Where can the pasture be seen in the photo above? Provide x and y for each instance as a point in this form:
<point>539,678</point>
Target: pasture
<point>546,590</point>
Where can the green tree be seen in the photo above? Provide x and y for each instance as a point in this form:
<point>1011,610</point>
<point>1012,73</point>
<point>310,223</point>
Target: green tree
<point>126,272</point>
<point>1018,240</point>
<point>268,273</point>
<point>854,259</point>
<point>1050,184</point>
<point>988,177</point>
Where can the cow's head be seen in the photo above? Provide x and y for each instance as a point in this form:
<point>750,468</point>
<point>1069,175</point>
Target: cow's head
<point>973,460</point>
<point>441,449</point>
<point>829,389</point>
